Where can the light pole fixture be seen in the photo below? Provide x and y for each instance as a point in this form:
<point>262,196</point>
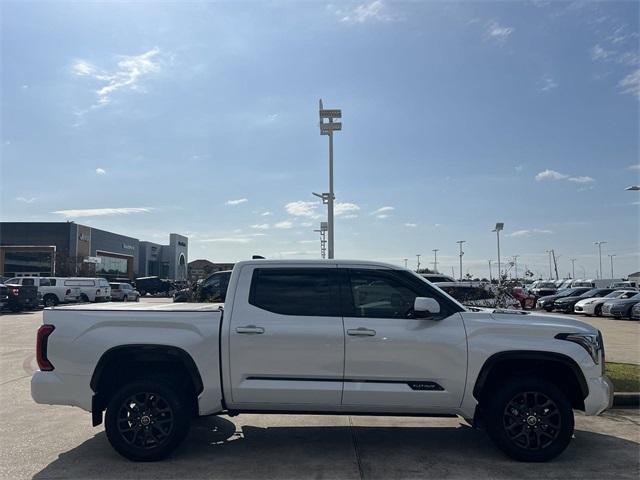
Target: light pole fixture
<point>611,260</point>
<point>460,242</point>
<point>599,244</point>
<point>418,267</point>
<point>573,267</point>
<point>435,259</point>
<point>327,127</point>
<point>498,229</point>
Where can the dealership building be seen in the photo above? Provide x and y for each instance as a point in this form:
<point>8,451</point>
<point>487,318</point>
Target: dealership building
<point>71,249</point>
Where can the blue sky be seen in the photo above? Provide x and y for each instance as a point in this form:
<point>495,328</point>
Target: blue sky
<point>201,119</point>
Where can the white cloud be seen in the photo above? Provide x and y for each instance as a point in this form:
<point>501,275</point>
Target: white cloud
<point>518,168</point>
<point>599,53</point>
<point>547,83</point>
<point>528,233</point>
<point>498,32</point>
<point>283,225</point>
<point>100,212</point>
<point>382,215</point>
<point>348,216</point>
<point>26,199</point>
<point>301,209</point>
<point>265,214</point>
<point>226,240</point>
<point>411,225</point>
<point>382,210</point>
<point>631,83</point>
<point>554,175</point>
<point>634,167</point>
<point>100,171</point>
<point>307,224</point>
<point>308,241</point>
<point>261,226</point>
<point>130,70</point>
<point>236,202</point>
<point>365,12</point>
<point>344,209</point>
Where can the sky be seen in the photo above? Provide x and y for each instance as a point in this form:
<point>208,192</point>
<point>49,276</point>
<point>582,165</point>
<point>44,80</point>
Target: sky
<point>202,119</point>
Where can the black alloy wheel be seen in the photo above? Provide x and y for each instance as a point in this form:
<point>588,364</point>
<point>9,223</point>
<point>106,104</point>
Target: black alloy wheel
<point>145,420</point>
<point>532,420</point>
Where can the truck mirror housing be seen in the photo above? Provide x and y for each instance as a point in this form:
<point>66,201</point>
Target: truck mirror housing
<point>425,305</point>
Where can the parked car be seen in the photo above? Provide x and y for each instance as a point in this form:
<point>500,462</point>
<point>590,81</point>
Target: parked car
<point>547,302</point>
<point>438,277</point>
<point>623,285</point>
<point>620,307</point>
<point>566,304</point>
<point>154,286</point>
<point>124,292</point>
<point>4,296</point>
<point>91,289</point>
<point>478,296</point>
<point>52,290</point>
<point>321,336</point>
<point>635,312</point>
<point>21,297</point>
<point>544,289</point>
<point>593,306</point>
<point>527,300</point>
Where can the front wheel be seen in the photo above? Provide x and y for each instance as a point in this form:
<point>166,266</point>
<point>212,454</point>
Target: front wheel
<point>125,299</point>
<point>147,420</point>
<point>598,311</point>
<point>531,420</point>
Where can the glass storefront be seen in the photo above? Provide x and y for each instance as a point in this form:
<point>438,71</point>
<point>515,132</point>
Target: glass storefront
<point>20,262</point>
<point>113,266</point>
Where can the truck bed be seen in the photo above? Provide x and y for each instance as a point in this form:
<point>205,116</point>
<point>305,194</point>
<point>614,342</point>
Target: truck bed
<point>142,306</point>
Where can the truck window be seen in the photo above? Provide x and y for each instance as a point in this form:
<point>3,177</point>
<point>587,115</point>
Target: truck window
<point>294,291</point>
<point>28,281</point>
<point>377,295</point>
<point>45,282</point>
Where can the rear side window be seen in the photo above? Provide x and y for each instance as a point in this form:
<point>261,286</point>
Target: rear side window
<point>28,281</point>
<point>79,283</point>
<point>295,291</point>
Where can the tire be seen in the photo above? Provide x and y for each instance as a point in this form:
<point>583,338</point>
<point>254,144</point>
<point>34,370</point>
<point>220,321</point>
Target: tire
<point>125,299</point>
<point>84,298</point>
<point>50,300</point>
<point>545,431</point>
<point>165,429</point>
<point>548,309</point>
<point>598,311</point>
<point>137,298</point>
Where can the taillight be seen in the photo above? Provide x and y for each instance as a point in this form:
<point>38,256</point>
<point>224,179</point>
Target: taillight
<point>98,292</point>
<point>41,347</point>
<point>14,291</point>
<point>68,291</point>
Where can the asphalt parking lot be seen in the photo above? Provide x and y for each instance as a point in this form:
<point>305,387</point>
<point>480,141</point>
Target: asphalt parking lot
<point>52,442</point>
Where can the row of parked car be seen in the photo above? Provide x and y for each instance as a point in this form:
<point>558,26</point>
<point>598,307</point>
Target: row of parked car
<point>608,302</point>
<point>29,293</point>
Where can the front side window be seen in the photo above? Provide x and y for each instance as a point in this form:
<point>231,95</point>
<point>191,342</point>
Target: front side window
<point>295,291</point>
<point>380,295</point>
<point>28,281</point>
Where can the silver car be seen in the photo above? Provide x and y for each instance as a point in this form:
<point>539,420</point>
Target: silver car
<point>124,292</point>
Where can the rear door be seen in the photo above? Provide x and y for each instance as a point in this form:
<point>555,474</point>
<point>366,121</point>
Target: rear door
<point>392,359</point>
<point>286,338</point>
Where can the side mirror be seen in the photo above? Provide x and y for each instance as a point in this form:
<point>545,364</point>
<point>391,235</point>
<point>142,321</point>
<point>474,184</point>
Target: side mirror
<point>424,306</point>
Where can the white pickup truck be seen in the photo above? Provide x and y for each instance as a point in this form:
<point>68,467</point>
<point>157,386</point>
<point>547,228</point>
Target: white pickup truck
<point>321,337</point>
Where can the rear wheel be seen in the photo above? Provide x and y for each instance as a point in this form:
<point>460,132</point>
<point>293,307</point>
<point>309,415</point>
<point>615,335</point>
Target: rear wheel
<point>598,311</point>
<point>50,300</point>
<point>125,299</point>
<point>530,420</point>
<point>84,298</point>
<point>147,420</point>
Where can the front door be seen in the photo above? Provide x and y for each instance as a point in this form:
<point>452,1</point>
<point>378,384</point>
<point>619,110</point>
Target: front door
<point>287,339</point>
<point>392,359</point>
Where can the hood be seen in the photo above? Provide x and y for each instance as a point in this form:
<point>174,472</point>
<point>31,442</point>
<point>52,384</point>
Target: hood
<point>525,323</point>
<point>568,299</point>
<point>622,301</point>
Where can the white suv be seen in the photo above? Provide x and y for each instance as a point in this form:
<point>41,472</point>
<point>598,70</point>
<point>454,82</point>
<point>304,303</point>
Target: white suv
<point>91,289</point>
<point>52,290</point>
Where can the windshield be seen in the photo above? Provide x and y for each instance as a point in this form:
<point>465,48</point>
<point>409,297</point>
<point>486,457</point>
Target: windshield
<point>546,285</point>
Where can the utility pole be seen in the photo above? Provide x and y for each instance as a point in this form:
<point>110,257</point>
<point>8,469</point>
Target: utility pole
<point>327,128</point>
<point>453,273</point>
<point>460,242</point>
<point>555,263</point>
<point>573,267</point>
<point>490,275</point>
<point>405,262</point>
<point>435,260</point>
<point>418,267</point>
<point>323,239</point>
<point>515,264</point>
<point>498,229</point>
<point>599,244</point>
<point>611,260</point>
<point>550,274</point>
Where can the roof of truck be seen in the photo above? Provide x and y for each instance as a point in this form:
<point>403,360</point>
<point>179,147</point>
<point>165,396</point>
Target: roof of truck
<point>144,306</point>
<point>276,261</point>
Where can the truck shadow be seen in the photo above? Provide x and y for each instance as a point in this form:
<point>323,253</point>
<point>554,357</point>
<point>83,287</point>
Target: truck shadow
<point>218,448</point>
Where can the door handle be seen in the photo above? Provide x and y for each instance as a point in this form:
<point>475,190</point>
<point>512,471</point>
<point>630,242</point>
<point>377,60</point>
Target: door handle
<point>361,332</point>
<point>250,329</point>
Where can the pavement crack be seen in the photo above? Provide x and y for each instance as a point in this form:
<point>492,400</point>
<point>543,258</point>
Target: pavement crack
<point>354,440</point>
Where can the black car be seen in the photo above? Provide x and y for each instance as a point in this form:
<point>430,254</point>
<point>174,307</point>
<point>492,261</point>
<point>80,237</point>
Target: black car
<point>547,302</point>
<point>544,289</point>
<point>212,290</point>
<point>19,297</point>
<point>154,286</point>
<point>620,307</point>
<point>566,304</point>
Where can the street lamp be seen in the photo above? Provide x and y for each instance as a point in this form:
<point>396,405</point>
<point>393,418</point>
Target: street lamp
<point>435,260</point>
<point>611,260</point>
<point>599,244</point>
<point>498,229</point>
<point>515,264</point>
<point>550,272</point>
<point>418,267</point>
<point>405,262</point>
<point>573,267</point>
<point>460,242</point>
<point>327,128</point>
<point>490,274</point>
<point>323,239</point>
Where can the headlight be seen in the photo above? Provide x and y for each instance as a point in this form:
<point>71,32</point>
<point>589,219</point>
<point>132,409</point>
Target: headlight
<point>591,342</point>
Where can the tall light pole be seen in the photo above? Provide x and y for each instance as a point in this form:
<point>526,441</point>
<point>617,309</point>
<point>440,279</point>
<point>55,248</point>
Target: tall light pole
<point>498,229</point>
<point>490,274</point>
<point>550,273</point>
<point>515,264</point>
<point>573,267</point>
<point>460,242</point>
<point>435,259</point>
<point>323,239</point>
<point>599,244</point>
<point>327,128</point>
<point>611,260</point>
<point>405,262</point>
<point>418,267</point>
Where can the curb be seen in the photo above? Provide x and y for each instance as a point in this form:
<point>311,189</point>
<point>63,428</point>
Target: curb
<point>626,399</point>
